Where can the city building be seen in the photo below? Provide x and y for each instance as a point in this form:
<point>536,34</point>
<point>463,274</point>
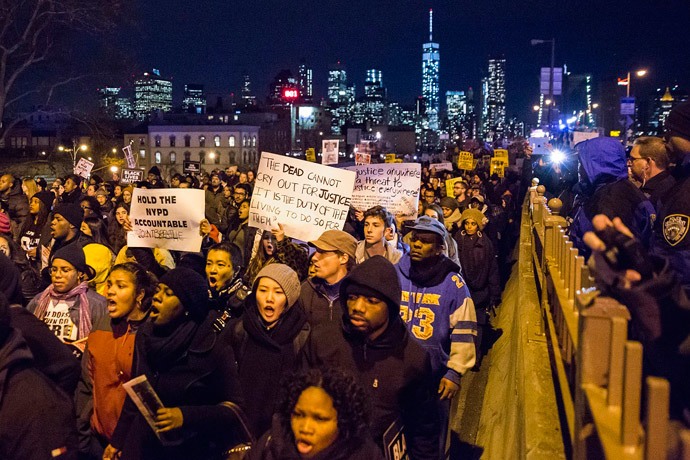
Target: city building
<point>194,99</point>
<point>247,97</point>
<point>214,146</point>
<point>663,103</point>
<point>430,68</point>
<point>494,100</point>
<point>456,109</point>
<point>113,104</point>
<point>306,77</point>
<point>151,93</point>
<point>341,97</point>
<point>282,82</point>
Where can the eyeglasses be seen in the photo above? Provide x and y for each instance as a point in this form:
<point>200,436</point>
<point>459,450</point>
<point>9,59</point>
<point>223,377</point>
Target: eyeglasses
<point>632,160</point>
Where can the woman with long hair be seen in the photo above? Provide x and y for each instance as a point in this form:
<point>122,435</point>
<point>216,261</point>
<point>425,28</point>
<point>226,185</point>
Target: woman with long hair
<point>276,247</point>
<point>29,187</point>
<point>237,232</point>
<point>95,228</point>
<point>116,231</point>
<point>192,370</point>
<point>107,360</point>
<point>323,414</point>
<point>36,223</point>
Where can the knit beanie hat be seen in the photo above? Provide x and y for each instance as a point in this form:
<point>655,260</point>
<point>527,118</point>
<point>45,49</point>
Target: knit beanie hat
<point>71,212</point>
<point>154,170</point>
<point>449,202</point>
<point>4,223</point>
<point>375,277</point>
<point>191,288</point>
<point>129,189</point>
<point>285,277</point>
<point>46,198</point>
<point>474,214</point>
<point>101,191</point>
<point>678,121</point>
<point>74,254</point>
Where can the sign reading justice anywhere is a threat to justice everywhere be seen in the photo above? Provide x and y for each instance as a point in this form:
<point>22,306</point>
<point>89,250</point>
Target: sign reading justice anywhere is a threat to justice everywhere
<point>393,186</point>
<point>166,218</point>
<point>305,198</point>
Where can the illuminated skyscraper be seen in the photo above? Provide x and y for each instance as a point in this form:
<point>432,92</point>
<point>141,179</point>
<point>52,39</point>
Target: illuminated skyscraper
<point>151,92</point>
<point>430,65</point>
<point>494,100</point>
<point>456,102</point>
<point>341,97</point>
<point>248,98</point>
<point>306,76</point>
<point>194,99</point>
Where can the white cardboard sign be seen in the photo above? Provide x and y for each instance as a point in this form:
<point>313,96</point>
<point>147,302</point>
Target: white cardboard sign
<point>330,151</point>
<point>83,168</point>
<point>166,218</point>
<point>394,186</point>
<point>306,198</point>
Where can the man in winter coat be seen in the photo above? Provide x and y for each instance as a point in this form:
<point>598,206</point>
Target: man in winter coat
<point>438,310</point>
<point>72,193</point>
<point>14,201</point>
<point>604,188</point>
<point>371,342</point>
<point>36,416</point>
<point>334,258</point>
<point>214,201</point>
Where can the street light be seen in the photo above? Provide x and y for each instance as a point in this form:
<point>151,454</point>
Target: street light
<point>114,169</point>
<point>114,150</point>
<point>74,150</point>
<point>535,108</point>
<point>83,147</point>
<point>595,105</point>
<point>639,73</point>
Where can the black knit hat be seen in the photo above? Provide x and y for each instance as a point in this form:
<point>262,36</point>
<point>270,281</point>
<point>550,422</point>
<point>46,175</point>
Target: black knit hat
<point>71,212</point>
<point>191,288</point>
<point>678,121</point>
<point>74,254</point>
<point>375,277</point>
<point>46,198</point>
<point>154,170</point>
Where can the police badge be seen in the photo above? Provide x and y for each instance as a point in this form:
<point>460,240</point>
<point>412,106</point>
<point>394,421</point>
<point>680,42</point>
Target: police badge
<point>675,228</point>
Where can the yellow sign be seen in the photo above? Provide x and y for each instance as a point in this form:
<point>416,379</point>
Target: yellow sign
<point>390,158</point>
<point>398,160</point>
<point>466,161</point>
<point>501,153</point>
<point>498,165</point>
<point>311,155</point>
<point>450,183</point>
<point>615,134</point>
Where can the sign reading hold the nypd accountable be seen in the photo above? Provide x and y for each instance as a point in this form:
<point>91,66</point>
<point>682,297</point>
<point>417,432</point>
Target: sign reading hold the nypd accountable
<point>166,218</point>
<point>466,161</point>
<point>330,151</point>
<point>305,198</point>
<point>393,186</point>
<point>130,176</point>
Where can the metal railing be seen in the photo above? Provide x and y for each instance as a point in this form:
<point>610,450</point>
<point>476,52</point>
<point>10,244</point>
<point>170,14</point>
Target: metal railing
<point>597,370</point>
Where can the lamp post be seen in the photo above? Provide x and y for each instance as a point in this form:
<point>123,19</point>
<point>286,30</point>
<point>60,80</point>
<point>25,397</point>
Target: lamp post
<point>553,58</point>
<point>639,73</point>
<point>73,151</point>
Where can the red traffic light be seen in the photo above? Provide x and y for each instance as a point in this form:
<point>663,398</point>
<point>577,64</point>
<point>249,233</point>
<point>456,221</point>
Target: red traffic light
<point>290,93</point>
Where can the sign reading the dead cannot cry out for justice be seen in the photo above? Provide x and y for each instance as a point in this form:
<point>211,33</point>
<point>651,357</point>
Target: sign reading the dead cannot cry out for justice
<point>305,198</point>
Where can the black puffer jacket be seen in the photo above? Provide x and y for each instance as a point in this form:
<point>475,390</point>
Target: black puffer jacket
<point>17,205</point>
<point>479,268</point>
<point>263,357</point>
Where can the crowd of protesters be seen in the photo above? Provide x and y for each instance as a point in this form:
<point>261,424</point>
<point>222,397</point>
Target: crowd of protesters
<point>317,349</point>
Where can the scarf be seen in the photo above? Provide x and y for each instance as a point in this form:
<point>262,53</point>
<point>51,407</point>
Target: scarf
<point>77,293</point>
<point>164,346</point>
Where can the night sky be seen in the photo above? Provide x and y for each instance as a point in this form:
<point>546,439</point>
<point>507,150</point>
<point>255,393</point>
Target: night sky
<point>213,41</point>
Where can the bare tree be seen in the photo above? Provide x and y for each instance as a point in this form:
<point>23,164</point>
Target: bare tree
<point>33,34</point>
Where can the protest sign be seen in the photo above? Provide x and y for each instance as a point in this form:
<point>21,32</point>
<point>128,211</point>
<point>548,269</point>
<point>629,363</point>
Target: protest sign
<point>450,183</point>
<point>311,155</point>
<point>393,186</point>
<point>444,166</point>
<point>191,167</point>
<point>390,158</point>
<point>501,153</point>
<point>305,198</point>
<point>579,136</point>
<point>362,159</point>
<point>498,166</point>
<point>130,176</point>
<point>166,218</point>
<point>83,168</point>
<point>129,157</point>
<point>330,152</point>
<point>465,161</point>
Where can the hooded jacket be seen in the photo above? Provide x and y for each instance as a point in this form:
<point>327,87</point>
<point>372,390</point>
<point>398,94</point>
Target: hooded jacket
<point>439,313</point>
<point>36,417</point>
<point>478,259</point>
<point>317,305</point>
<point>605,189</point>
<point>264,356</point>
<point>393,368</point>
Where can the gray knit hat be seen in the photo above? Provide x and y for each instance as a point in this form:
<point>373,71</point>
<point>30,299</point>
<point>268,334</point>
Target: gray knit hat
<point>285,277</point>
